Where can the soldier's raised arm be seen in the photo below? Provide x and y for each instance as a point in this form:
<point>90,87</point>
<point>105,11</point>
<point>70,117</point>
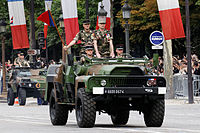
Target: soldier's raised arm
<point>96,49</point>
<point>84,35</point>
<point>112,54</point>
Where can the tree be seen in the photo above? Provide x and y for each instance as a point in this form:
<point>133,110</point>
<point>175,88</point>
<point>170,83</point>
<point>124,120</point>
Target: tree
<point>145,19</point>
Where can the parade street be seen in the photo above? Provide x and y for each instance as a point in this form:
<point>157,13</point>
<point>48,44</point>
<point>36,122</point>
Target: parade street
<point>179,118</point>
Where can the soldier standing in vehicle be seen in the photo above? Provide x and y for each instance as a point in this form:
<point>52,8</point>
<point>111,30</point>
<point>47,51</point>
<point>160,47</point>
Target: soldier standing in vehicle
<point>83,35</point>
<point>17,60</point>
<point>103,43</point>
<point>119,50</point>
<point>89,49</point>
<point>23,62</point>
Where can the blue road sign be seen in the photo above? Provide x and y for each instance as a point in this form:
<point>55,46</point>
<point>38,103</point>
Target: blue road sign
<point>156,38</point>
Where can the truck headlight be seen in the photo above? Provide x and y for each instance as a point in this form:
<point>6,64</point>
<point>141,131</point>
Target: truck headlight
<point>29,85</point>
<point>103,82</point>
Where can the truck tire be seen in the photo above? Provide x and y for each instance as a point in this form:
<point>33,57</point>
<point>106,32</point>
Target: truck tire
<point>58,112</point>
<point>10,97</point>
<point>22,96</point>
<point>85,109</point>
<point>154,113</point>
<point>120,117</point>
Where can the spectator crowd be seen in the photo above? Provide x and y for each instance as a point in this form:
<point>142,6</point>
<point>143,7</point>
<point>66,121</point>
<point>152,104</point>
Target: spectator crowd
<point>179,65</point>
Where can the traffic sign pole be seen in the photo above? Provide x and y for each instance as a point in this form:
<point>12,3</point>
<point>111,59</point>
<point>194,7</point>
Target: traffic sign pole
<point>156,38</point>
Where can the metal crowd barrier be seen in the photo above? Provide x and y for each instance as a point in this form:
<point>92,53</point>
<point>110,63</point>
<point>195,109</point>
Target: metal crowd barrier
<point>180,85</point>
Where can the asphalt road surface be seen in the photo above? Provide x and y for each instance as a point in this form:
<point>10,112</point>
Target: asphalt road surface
<point>179,118</point>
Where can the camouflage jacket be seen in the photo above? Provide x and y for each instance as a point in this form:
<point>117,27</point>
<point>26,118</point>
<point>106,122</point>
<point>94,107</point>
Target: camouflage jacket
<point>103,39</point>
<point>17,60</point>
<point>24,63</point>
<point>85,37</point>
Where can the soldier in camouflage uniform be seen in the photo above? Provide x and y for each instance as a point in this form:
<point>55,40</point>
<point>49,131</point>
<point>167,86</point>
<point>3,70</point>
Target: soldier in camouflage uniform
<point>119,51</point>
<point>17,60</point>
<point>89,49</point>
<point>103,43</point>
<point>23,62</point>
<point>83,35</point>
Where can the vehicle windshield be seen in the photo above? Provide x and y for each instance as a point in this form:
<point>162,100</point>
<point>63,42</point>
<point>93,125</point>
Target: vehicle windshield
<point>129,60</point>
<point>24,74</point>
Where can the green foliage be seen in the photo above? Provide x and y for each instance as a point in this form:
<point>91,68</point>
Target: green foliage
<point>198,2</point>
<point>53,38</point>
<point>93,9</point>
<point>145,19</point>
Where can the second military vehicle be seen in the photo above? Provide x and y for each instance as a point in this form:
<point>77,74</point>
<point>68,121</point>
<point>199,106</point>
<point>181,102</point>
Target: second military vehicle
<point>24,82</point>
<point>112,86</point>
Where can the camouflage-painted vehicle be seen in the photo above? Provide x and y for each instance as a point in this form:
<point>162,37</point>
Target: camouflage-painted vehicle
<point>24,82</point>
<point>112,86</point>
<point>39,77</point>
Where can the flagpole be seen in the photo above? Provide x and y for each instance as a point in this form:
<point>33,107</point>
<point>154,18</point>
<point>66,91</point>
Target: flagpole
<point>32,30</point>
<point>57,28</point>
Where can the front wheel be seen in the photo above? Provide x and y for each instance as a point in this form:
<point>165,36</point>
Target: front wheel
<point>85,109</point>
<point>10,97</point>
<point>154,113</point>
<point>58,112</point>
<point>22,96</point>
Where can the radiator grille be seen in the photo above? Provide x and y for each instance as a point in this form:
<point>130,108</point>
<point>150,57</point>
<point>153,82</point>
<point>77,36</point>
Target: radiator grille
<point>127,82</point>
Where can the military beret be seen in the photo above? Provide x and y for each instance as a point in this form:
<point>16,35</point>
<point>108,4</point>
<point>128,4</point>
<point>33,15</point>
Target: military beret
<point>86,21</point>
<point>120,46</point>
<point>87,47</point>
<point>21,54</point>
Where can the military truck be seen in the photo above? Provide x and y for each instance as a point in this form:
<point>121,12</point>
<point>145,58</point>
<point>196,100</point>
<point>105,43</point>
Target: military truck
<point>24,82</point>
<point>112,86</point>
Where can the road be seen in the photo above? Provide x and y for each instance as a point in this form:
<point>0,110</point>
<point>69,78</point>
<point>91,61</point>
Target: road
<point>179,118</point>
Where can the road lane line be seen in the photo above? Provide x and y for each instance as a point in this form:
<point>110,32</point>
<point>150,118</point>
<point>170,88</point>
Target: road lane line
<point>23,117</point>
<point>130,130</point>
<point>32,121</point>
<point>138,130</point>
<point>21,121</point>
<point>181,130</point>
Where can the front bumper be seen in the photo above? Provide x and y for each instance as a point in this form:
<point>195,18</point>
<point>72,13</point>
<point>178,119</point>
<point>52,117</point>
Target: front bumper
<point>129,90</point>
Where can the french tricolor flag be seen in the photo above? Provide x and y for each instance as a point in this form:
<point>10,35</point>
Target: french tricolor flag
<point>48,4</point>
<point>18,24</point>
<point>70,16</point>
<point>170,17</point>
<point>106,4</point>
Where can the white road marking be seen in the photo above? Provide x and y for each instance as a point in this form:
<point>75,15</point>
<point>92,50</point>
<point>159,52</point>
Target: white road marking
<point>181,130</point>
<point>138,130</point>
<point>153,130</point>
<point>23,117</point>
<point>26,119</point>
<point>21,121</point>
